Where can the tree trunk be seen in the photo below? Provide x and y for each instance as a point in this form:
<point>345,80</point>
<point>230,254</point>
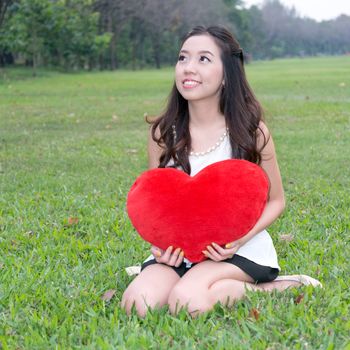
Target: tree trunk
<point>34,65</point>
<point>3,8</point>
<point>156,49</point>
<point>113,54</point>
<point>113,42</point>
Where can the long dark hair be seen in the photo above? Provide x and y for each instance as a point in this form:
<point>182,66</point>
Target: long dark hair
<point>238,104</point>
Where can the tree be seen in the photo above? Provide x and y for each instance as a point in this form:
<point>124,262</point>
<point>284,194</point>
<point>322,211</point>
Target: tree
<point>4,4</point>
<point>158,17</point>
<point>27,29</point>
<point>60,32</point>
<point>75,34</point>
<point>115,15</point>
<point>73,38</point>
<point>5,55</point>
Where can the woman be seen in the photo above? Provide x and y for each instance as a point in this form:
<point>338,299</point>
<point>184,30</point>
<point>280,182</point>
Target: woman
<point>212,115</point>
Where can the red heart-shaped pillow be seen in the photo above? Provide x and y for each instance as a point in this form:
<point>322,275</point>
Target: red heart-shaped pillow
<point>220,204</point>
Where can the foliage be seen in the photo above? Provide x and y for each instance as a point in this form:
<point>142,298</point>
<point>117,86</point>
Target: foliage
<point>61,32</point>
<point>109,34</point>
<point>71,145</point>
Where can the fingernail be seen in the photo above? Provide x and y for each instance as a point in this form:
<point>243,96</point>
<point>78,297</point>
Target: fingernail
<point>204,252</point>
<point>228,245</point>
<point>182,253</point>
<point>214,244</point>
<point>158,253</point>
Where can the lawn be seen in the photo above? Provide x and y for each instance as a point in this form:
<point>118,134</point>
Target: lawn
<point>71,147</point>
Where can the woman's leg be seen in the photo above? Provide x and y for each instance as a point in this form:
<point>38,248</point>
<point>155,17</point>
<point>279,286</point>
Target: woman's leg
<point>228,290</point>
<point>211,282</point>
<point>197,290</point>
<point>150,289</point>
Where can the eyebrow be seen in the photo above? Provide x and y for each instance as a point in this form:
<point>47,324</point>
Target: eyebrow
<point>201,52</point>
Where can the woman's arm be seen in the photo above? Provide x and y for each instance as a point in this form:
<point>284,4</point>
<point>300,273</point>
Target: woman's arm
<point>276,202</point>
<point>274,206</point>
<point>154,151</point>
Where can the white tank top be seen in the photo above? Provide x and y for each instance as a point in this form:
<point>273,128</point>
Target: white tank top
<point>260,248</point>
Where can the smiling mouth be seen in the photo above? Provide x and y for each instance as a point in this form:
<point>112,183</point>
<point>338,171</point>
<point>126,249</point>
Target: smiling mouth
<point>188,83</point>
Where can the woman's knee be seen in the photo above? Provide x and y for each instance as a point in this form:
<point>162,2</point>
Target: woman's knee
<point>141,299</point>
<point>182,297</point>
<point>177,299</point>
<point>146,291</point>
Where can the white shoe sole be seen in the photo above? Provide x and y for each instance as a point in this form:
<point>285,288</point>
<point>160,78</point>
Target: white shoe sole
<point>302,279</point>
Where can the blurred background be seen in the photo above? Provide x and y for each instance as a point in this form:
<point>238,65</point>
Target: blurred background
<point>135,34</point>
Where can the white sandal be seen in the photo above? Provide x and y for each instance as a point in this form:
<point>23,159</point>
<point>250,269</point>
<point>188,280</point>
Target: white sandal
<point>133,270</point>
<point>303,279</point>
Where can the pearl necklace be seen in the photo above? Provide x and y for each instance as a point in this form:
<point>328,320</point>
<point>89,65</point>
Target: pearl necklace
<point>210,149</point>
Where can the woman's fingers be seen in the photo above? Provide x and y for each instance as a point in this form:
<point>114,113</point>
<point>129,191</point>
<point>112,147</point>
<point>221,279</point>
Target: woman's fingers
<point>166,256</point>
<point>214,255</point>
<point>174,256</point>
<point>219,249</point>
<point>156,252</point>
<point>179,259</point>
<point>233,247</point>
<point>229,250</point>
<point>218,253</point>
<point>209,255</point>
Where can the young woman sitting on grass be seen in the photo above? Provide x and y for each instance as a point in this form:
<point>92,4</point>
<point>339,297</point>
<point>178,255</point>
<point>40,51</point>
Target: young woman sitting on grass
<point>212,115</point>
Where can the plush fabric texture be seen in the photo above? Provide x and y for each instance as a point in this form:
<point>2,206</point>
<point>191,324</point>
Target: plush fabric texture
<point>220,204</point>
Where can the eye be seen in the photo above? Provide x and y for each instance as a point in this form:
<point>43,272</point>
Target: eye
<point>181,58</point>
<point>204,59</point>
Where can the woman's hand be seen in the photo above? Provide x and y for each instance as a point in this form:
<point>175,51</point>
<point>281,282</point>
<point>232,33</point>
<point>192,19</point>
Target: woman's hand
<point>168,257</point>
<point>217,253</point>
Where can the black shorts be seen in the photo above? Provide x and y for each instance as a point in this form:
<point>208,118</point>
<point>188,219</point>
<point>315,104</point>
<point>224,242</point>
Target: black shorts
<point>259,273</point>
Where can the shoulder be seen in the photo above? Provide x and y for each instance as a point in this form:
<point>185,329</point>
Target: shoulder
<point>263,127</point>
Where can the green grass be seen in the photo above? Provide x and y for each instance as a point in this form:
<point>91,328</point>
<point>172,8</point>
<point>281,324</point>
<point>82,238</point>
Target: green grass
<point>72,145</point>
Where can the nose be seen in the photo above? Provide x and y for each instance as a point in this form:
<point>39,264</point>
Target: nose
<point>190,67</point>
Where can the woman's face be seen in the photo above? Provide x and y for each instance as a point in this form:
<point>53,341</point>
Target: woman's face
<point>199,70</point>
